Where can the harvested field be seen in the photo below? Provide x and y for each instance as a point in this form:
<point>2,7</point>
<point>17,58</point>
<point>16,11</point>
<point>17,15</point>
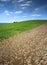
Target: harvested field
<point>27,48</point>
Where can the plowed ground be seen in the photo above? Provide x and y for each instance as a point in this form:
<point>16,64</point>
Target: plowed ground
<point>27,48</point>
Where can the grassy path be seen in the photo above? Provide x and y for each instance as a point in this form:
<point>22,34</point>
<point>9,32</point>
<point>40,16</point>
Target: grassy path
<point>28,48</point>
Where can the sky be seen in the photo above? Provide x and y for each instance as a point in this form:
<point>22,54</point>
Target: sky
<point>19,10</point>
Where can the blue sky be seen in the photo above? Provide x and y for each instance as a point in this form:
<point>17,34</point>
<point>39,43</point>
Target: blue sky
<point>19,10</point>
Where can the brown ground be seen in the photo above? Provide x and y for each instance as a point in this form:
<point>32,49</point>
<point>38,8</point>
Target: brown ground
<point>28,48</point>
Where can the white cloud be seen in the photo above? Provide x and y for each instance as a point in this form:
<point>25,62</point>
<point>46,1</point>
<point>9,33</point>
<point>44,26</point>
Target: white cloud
<point>11,12</point>
<point>41,7</point>
<point>18,12</point>
<point>36,9</point>
<point>20,0</point>
<point>24,5</point>
<point>35,15</point>
<point>29,2</point>
<point>7,12</point>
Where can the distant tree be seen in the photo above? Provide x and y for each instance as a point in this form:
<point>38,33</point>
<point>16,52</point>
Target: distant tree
<point>15,22</point>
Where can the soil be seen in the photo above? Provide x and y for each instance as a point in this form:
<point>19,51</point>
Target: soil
<point>27,48</point>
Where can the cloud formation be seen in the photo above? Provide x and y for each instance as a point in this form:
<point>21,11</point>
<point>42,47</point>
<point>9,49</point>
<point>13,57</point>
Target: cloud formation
<point>23,7</point>
<point>6,12</point>
<point>36,9</point>
<point>26,4</point>
<point>18,12</point>
<point>20,0</point>
<point>29,2</point>
<point>35,15</point>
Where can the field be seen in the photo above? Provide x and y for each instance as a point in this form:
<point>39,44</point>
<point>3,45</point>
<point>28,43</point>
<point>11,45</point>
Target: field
<point>11,29</point>
<point>27,48</point>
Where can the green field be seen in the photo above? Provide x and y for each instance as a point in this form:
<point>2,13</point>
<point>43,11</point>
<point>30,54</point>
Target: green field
<point>11,29</point>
